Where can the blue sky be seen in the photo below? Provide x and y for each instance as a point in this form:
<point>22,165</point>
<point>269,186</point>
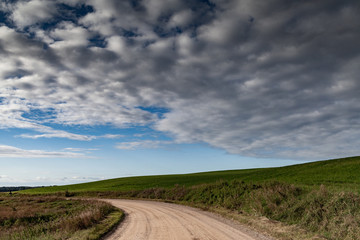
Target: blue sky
<point>102,159</point>
<point>93,90</point>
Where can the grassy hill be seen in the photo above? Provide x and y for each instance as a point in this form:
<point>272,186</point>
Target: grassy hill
<point>339,174</point>
<point>320,197</point>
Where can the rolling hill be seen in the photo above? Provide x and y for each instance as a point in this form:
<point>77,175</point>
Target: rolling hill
<point>338,174</point>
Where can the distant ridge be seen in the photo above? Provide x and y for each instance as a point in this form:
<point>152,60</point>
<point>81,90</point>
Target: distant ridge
<point>14,189</point>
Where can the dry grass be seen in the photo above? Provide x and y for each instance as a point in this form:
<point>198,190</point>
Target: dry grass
<point>24,217</point>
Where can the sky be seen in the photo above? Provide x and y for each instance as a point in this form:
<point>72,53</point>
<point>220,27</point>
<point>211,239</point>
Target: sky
<point>92,90</point>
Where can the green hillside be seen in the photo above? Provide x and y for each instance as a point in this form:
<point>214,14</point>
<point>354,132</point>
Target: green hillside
<point>340,174</point>
<point>318,197</point>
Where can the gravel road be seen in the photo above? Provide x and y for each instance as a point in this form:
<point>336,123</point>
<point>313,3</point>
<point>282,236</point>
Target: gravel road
<point>163,221</point>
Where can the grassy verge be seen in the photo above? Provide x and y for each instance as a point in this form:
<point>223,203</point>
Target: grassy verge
<point>31,217</point>
<point>333,215</point>
<point>307,212</point>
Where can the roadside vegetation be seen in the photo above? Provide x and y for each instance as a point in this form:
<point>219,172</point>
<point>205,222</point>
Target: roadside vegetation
<point>331,214</point>
<point>320,198</point>
<point>48,217</point>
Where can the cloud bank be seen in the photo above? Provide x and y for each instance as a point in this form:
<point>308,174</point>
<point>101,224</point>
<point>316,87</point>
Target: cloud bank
<point>266,79</point>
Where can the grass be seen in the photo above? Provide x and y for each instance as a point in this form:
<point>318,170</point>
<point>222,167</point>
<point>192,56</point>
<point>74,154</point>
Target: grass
<point>340,174</point>
<point>99,230</point>
<point>322,198</point>
<point>31,217</point>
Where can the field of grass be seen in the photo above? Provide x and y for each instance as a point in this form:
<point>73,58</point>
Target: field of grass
<point>322,198</point>
<point>340,174</point>
<point>30,217</point>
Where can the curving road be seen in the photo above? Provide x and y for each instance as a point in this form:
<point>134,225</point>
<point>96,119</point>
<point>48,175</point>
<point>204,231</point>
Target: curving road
<point>163,221</point>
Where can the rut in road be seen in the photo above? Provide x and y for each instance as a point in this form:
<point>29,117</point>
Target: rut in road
<point>163,221</point>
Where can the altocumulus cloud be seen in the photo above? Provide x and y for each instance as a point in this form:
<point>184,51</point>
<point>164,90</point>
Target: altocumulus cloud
<point>273,78</point>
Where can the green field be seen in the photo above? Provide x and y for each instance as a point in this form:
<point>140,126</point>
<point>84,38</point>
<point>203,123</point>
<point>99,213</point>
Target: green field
<point>339,174</point>
<point>320,197</point>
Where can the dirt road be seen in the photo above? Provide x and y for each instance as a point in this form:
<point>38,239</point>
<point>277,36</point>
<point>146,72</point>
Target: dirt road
<point>163,221</point>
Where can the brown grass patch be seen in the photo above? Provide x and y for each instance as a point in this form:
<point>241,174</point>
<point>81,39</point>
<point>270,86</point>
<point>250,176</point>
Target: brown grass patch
<point>25,217</point>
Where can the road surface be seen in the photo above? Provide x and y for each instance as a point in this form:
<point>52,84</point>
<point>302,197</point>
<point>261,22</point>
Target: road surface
<point>163,221</point>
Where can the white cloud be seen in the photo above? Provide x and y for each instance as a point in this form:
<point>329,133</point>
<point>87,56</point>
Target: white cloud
<point>251,78</point>
<point>112,136</point>
<point>51,133</point>
<point>81,179</point>
<point>145,144</point>
<point>72,136</point>
<point>14,152</point>
<point>45,180</point>
<point>48,132</point>
<point>69,35</point>
<point>181,19</point>
<point>30,12</point>
<point>80,149</point>
<point>59,134</point>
